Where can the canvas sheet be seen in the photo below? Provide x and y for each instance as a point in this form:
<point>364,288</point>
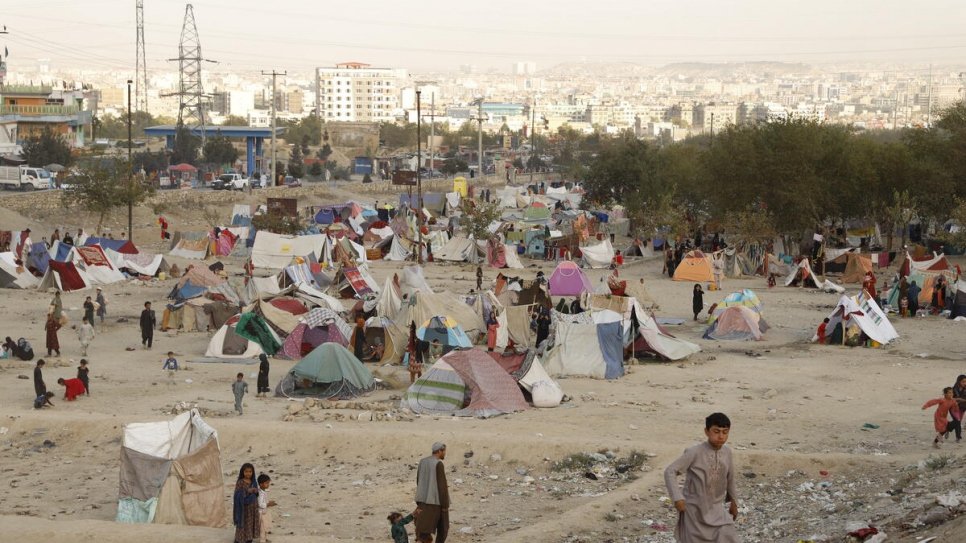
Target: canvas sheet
<point>142,475</point>
<point>390,299</point>
<point>170,509</point>
<point>518,325</point>
<point>310,293</point>
<point>458,249</point>
<point>142,263</point>
<point>202,486</point>
<point>93,256</point>
<point>132,511</point>
<point>576,352</point>
<point>64,276</point>
<point>512,258</point>
<point>169,439</point>
<point>266,285</point>
<point>14,276</point>
<point>193,249</point>
<point>275,251</point>
<point>354,277</point>
<point>660,342</point>
<point>400,249</point>
<point>865,312</point>
<point>492,390</point>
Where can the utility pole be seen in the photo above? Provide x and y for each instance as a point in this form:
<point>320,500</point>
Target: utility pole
<point>274,74</point>
<point>130,168</point>
<point>929,106</point>
<point>533,138</point>
<point>895,104</point>
<point>419,179</point>
<point>479,140</point>
<point>432,132</point>
<point>712,130</point>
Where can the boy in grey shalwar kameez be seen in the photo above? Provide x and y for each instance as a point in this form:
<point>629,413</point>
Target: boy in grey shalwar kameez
<point>239,388</point>
<point>709,482</point>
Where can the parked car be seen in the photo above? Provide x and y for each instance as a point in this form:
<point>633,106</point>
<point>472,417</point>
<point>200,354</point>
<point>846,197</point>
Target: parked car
<point>292,181</point>
<point>230,181</point>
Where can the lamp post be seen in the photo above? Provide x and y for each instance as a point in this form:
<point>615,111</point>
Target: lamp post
<point>130,168</point>
<point>419,179</point>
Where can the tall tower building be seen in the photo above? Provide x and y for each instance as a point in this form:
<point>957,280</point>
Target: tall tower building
<point>357,92</point>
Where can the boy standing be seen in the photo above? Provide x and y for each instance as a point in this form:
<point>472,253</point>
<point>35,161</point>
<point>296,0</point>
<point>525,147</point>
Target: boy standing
<point>40,388</point>
<point>709,482</point>
<point>147,322</point>
<point>264,515</point>
<point>239,388</point>
<point>85,334</point>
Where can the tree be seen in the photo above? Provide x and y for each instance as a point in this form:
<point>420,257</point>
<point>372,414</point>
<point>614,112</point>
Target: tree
<point>218,149</point>
<point>395,136</point>
<point>749,226</point>
<point>296,165</point>
<point>103,185</point>
<point>47,148</point>
<point>185,146</point>
<point>305,144</point>
<point>453,166</point>
<point>477,218</point>
<point>324,152</point>
<point>315,170</point>
<point>234,120</point>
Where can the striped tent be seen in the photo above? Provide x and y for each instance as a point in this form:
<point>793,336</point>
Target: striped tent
<point>742,298</point>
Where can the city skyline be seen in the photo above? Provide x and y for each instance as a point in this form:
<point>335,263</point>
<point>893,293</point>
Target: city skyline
<point>100,34</point>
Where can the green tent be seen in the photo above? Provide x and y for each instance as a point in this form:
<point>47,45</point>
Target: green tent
<point>329,371</point>
<point>254,328</point>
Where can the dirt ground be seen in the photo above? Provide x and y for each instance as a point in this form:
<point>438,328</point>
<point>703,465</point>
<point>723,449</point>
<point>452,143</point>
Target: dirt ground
<point>807,466</point>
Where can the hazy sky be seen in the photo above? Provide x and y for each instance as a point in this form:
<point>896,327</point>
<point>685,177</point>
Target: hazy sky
<point>298,35</point>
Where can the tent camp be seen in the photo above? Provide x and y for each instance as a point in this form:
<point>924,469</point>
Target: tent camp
<point>860,314</point>
<point>64,276</point>
<point>228,344</point>
<point>937,262</point>
<point>171,473</point>
<point>329,371</point>
<point>446,331</point>
<point>803,276</point>
<point>569,280</point>
<point>14,276</point>
<point>424,305</point>
<point>737,264</point>
<point>742,298</point>
<point>694,267</point>
<point>926,281</point>
<point>465,383</point>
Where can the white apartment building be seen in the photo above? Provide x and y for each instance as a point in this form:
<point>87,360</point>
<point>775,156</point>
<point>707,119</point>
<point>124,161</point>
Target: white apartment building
<point>356,92</point>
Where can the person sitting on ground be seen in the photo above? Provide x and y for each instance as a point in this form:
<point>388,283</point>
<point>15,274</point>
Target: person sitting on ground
<point>72,388</point>
<point>822,330</point>
<point>43,400</point>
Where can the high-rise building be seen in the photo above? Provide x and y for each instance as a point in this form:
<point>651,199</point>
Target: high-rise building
<point>357,92</point>
<point>524,68</point>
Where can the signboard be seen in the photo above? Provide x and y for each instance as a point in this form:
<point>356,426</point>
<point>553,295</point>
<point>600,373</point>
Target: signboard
<point>404,177</point>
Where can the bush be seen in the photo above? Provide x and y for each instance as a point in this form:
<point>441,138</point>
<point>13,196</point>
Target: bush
<point>277,224</point>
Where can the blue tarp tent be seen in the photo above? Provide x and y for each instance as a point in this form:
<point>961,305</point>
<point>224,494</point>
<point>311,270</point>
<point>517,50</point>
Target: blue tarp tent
<point>116,245</point>
<point>62,251</point>
<point>186,291</point>
<point>39,257</point>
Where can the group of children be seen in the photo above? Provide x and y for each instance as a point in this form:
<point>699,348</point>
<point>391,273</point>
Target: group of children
<point>73,388</point>
<point>250,506</point>
<point>948,417</point>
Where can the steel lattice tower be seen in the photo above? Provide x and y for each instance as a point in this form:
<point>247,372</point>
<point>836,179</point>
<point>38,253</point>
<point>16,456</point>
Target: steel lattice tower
<point>191,112</point>
<point>141,72</point>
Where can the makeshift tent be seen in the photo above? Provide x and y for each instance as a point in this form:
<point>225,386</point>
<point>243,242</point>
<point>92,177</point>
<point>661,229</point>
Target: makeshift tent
<point>802,275</point>
<point>445,330</point>
<point>97,266</point>
<point>737,264</point>
<point>926,281</point>
<point>742,298</point>
<point>652,338</point>
<point>937,262</point>
<point>276,251</point>
<point>694,267</point>
<point>600,255</point>
<point>352,281</point>
<point>465,383</point>
<point>400,250</point>
<point>226,343</point>
<point>459,249</point>
<point>329,371</point>
<point>861,313</point>
<point>14,276</point>
<point>194,247</point>
<point>377,333</point>
<point>305,338</point>
<point>423,305</point>
<point>589,350</point>
<point>171,473</point>
<point>853,266</point>
<point>736,322</point>
<point>116,245</point>
<point>569,280</point>
<point>64,276</point>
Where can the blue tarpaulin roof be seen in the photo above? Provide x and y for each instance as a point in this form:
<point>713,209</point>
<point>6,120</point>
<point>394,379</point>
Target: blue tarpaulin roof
<point>63,251</point>
<point>117,245</point>
<point>39,257</point>
<point>187,291</point>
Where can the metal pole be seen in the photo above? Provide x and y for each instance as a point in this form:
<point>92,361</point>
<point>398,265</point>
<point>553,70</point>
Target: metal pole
<point>929,106</point>
<point>419,179</point>
<point>533,139</point>
<point>432,131</point>
<point>130,168</point>
<point>479,148</point>
<point>273,73</point>
<point>712,130</point>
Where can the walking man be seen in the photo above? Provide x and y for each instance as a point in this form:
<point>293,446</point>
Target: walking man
<point>148,321</point>
<point>432,496</point>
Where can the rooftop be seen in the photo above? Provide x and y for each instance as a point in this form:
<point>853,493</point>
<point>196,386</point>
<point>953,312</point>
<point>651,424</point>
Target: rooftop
<point>229,131</point>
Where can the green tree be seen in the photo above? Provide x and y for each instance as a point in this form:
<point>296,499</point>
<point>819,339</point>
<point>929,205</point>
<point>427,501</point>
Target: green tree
<point>395,136</point>
<point>46,148</point>
<point>477,218</point>
<point>101,185</point>
<point>218,149</point>
<point>315,170</point>
<point>296,164</point>
<point>234,120</point>
<point>186,146</point>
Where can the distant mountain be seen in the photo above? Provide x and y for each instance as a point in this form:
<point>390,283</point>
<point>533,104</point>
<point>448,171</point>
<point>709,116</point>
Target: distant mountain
<point>707,69</point>
<point>597,69</point>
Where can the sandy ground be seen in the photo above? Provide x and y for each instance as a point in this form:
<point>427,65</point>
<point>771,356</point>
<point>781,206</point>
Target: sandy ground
<point>797,409</point>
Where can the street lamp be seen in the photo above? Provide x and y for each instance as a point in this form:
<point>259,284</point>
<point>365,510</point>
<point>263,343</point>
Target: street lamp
<point>130,168</point>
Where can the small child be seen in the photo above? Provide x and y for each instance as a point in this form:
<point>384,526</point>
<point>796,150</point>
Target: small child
<point>399,522</point>
<point>170,364</point>
<point>940,422</point>
<point>43,400</point>
<point>83,374</point>
<point>72,388</point>
<point>264,515</point>
<point>709,482</point>
<point>239,388</point>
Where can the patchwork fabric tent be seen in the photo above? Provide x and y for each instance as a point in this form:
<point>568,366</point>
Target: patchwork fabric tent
<point>422,306</point>
<point>926,281</point>
<point>445,330</point>
<point>694,267</point>
<point>569,280</point>
<point>14,276</point>
<point>852,265</point>
<point>861,313</point>
<point>329,371</point>
<point>226,343</point>
<point>737,264</point>
<point>802,275</point>
<point>320,325</point>
<point>736,322</point>
<point>171,473</point>
<point>64,276</point>
<point>588,350</point>
<point>937,262</point>
<point>465,383</point>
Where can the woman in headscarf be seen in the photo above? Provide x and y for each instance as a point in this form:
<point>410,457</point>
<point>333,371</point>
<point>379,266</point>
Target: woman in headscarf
<point>697,300</point>
<point>415,354</point>
<point>53,344</point>
<point>359,339</point>
<point>262,384</point>
<point>245,505</point>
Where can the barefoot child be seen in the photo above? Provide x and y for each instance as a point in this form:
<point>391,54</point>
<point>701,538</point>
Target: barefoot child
<point>940,419</point>
<point>709,482</point>
<point>264,515</point>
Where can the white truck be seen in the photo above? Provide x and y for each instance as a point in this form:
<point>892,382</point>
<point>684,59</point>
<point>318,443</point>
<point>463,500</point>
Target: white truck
<point>24,178</point>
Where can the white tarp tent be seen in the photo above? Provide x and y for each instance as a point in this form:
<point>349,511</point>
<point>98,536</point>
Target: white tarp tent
<point>864,312</point>
<point>600,255</point>
<point>276,251</point>
<point>802,273</point>
<point>459,249</point>
<point>13,276</point>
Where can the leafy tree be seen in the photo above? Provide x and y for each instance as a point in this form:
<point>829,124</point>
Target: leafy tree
<point>186,146</point>
<point>150,162</point>
<point>218,149</point>
<point>477,217</point>
<point>115,126</point>
<point>454,166</point>
<point>277,223</point>
<point>305,144</point>
<point>324,152</point>
<point>315,170</point>
<point>104,184</point>
<point>749,226</point>
<point>45,148</point>
<point>296,164</point>
<point>396,136</point>
<point>234,120</point>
